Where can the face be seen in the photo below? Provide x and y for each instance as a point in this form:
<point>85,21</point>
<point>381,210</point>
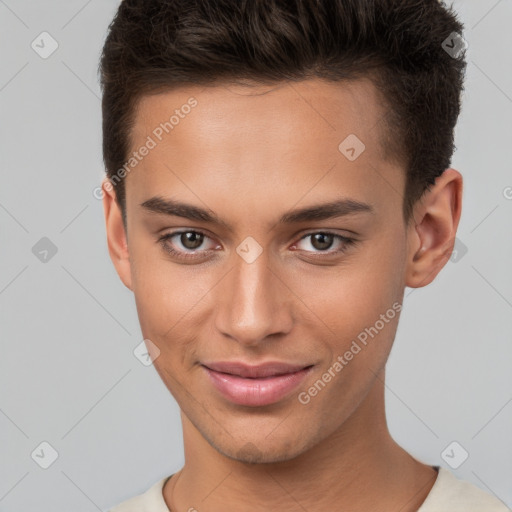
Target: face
<point>269,309</point>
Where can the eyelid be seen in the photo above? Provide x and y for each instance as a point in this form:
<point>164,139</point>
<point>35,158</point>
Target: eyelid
<point>324,231</point>
<point>167,236</point>
<point>346,243</point>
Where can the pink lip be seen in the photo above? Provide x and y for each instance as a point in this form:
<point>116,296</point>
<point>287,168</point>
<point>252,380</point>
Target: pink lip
<point>255,385</point>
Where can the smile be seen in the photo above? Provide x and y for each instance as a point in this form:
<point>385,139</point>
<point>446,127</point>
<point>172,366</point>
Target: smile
<point>255,385</point>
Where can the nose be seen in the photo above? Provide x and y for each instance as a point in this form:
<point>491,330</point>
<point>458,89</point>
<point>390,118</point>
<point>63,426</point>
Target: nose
<point>252,302</point>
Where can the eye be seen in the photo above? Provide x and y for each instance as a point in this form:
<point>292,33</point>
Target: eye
<point>321,241</point>
<point>184,242</point>
<point>189,245</point>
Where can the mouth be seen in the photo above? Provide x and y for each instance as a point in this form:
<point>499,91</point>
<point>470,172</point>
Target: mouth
<point>255,386</point>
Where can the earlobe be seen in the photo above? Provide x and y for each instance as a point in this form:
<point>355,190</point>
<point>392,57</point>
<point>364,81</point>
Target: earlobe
<point>116,234</point>
<point>431,235</point>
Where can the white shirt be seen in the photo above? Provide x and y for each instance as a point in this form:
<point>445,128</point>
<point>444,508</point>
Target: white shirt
<point>448,494</point>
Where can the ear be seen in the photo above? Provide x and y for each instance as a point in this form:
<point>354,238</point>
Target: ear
<point>432,229</point>
<point>116,235</point>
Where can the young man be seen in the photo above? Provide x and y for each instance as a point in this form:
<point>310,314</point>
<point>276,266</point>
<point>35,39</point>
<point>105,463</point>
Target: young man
<point>278,173</point>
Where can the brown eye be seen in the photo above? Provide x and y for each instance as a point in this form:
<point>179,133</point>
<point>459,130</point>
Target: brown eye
<point>187,245</point>
<point>191,239</point>
<point>322,241</point>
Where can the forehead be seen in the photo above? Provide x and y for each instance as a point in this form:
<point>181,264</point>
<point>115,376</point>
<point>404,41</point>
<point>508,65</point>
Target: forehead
<point>313,107</point>
<point>282,139</point>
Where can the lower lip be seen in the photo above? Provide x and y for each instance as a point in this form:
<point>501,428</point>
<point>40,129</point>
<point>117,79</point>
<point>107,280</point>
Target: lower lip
<point>256,392</point>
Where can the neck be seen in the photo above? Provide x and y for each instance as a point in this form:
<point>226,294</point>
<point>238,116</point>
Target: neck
<point>355,468</point>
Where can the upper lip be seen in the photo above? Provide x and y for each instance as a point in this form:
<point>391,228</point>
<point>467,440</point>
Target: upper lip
<point>269,369</point>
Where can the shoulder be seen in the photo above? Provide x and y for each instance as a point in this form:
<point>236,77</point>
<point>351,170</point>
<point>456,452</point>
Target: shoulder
<point>150,501</point>
<point>449,494</point>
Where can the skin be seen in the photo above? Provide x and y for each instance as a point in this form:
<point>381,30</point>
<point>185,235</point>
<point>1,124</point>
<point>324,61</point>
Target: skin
<point>250,154</point>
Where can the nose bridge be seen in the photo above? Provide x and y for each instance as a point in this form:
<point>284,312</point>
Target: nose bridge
<point>249,307</point>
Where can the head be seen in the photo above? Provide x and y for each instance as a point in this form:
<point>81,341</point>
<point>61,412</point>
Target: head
<point>226,124</point>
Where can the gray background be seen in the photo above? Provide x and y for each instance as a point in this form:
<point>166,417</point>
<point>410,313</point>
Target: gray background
<point>69,326</point>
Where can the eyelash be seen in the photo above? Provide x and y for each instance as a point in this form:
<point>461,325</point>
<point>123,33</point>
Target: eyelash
<point>347,243</point>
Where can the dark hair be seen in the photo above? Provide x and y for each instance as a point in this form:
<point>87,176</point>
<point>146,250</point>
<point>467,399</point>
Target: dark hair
<point>157,45</point>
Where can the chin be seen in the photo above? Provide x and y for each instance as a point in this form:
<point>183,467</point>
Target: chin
<point>263,451</point>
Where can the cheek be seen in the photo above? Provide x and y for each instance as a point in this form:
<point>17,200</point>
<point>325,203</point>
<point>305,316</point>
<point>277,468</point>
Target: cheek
<point>362,319</point>
<point>360,300</point>
<point>168,297</point>
<point>362,314</point>
<point>159,292</point>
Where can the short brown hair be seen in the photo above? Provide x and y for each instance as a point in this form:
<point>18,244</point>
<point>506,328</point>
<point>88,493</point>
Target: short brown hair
<point>157,45</point>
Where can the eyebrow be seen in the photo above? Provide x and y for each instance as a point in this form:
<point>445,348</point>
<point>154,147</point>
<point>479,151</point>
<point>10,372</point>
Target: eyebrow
<point>331,210</point>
